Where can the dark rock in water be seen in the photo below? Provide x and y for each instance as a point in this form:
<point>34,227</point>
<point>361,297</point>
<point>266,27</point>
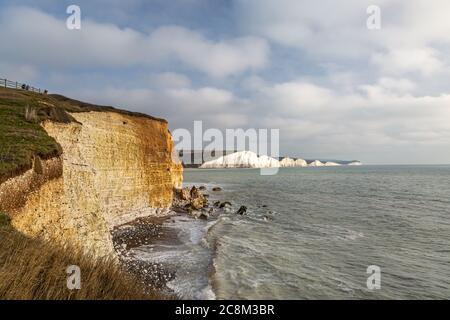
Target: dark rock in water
<point>203,216</point>
<point>211,210</point>
<point>216,189</point>
<point>224,204</point>
<point>202,188</point>
<point>217,203</point>
<point>242,210</point>
<point>206,195</point>
<point>264,206</point>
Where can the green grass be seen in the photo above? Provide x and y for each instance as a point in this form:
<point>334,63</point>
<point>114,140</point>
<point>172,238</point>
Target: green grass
<point>21,138</point>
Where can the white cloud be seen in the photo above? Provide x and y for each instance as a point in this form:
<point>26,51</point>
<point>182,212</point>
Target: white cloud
<point>22,72</point>
<point>170,80</point>
<point>39,38</point>
<point>397,85</point>
<point>215,58</point>
<point>414,35</point>
<point>322,122</point>
<point>422,60</point>
<point>182,106</point>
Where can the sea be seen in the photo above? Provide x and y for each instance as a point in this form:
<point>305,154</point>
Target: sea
<point>363,232</point>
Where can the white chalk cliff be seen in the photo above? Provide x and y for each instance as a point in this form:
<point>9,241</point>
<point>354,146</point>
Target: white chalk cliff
<point>242,159</point>
<point>331,164</point>
<point>301,163</point>
<point>287,162</point>
<point>249,159</point>
<point>316,163</point>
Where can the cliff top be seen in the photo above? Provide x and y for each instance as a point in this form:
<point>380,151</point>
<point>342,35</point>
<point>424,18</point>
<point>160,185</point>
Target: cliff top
<point>21,135</point>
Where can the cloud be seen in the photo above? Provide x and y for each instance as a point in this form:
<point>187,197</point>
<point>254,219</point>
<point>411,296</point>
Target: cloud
<point>319,121</point>
<point>218,108</point>
<point>215,58</point>
<point>22,72</point>
<point>41,39</point>
<point>401,61</point>
<point>334,88</point>
<point>372,123</point>
<point>169,80</point>
<point>413,35</point>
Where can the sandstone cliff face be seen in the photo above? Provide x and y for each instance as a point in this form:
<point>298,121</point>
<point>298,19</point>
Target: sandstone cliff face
<point>114,167</point>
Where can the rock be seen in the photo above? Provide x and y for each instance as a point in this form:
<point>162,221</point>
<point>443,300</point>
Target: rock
<point>203,216</point>
<point>189,199</point>
<point>198,203</point>
<point>202,188</point>
<point>217,203</point>
<point>195,193</point>
<point>242,210</point>
<point>264,206</point>
<point>217,189</point>
<point>224,204</point>
<point>185,194</point>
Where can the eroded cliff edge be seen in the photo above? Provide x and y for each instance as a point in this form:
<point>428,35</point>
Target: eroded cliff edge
<point>114,167</point>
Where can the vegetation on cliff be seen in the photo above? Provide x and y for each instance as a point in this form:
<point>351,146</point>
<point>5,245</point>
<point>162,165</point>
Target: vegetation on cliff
<point>21,135</point>
<point>34,269</point>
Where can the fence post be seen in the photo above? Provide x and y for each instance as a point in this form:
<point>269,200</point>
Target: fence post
<point>5,83</point>
<point>16,85</point>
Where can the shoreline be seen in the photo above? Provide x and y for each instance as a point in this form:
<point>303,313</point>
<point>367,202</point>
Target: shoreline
<point>144,235</point>
<point>141,232</point>
<point>165,252</point>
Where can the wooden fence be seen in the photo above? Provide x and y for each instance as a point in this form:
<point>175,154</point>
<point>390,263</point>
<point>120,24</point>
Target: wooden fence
<point>17,85</point>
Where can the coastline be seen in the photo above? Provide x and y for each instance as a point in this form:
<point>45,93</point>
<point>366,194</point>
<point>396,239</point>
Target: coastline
<point>171,253</point>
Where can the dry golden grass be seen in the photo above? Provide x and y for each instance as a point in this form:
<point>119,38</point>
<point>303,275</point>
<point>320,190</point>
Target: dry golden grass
<point>33,270</point>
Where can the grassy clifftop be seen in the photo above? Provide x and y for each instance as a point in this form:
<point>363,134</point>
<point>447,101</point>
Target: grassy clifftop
<point>22,137</point>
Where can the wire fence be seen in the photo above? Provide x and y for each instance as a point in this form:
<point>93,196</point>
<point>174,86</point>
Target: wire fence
<point>20,86</point>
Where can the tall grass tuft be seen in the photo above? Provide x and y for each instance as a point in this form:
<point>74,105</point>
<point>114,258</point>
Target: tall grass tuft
<point>35,270</point>
<point>31,114</point>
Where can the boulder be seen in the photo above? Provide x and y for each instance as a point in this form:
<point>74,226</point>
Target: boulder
<point>195,193</point>
<point>189,199</point>
<point>224,204</point>
<point>242,210</point>
<point>217,189</point>
<point>203,216</point>
<point>184,194</point>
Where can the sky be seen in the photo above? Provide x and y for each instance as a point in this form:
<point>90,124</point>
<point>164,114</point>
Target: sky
<point>334,88</point>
